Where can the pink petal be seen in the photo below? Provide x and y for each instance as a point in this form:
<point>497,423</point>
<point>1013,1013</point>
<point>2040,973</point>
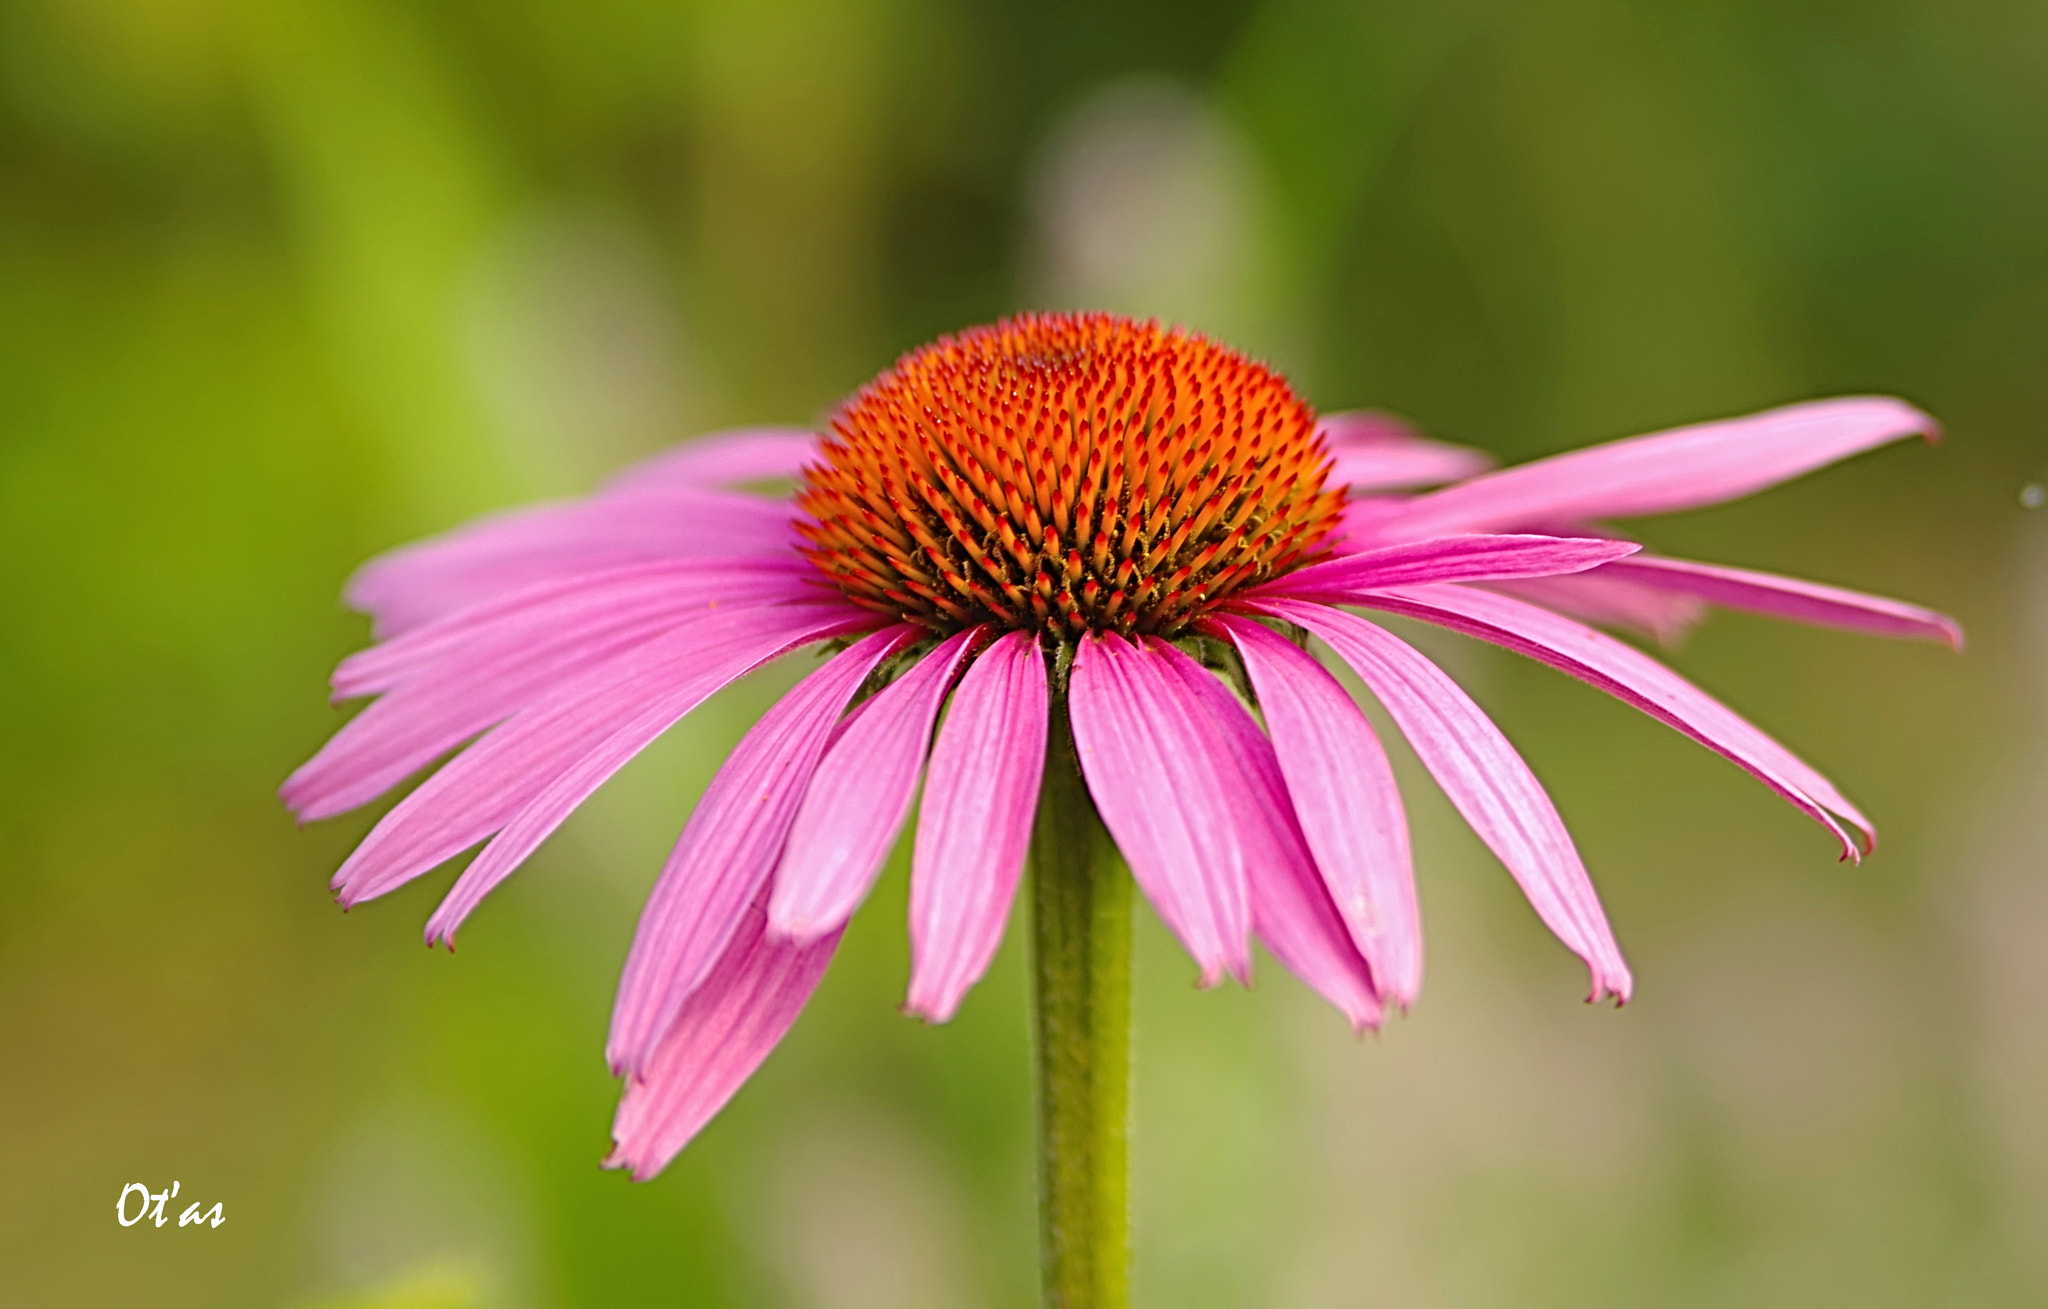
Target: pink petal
<point>746,454</point>
<point>1291,907</point>
<point>1787,597</point>
<point>1684,468</point>
<point>1610,600</point>
<point>444,696</point>
<point>859,798</point>
<point>1450,558</point>
<point>980,794</point>
<point>730,846</point>
<point>1628,674</point>
<point>485,559</point>
<point>1344,795</point>
<point>721,1035</point>
<point>566,607</point>
<point>1363,526</point>
<point>1366,429</point>
<point>483,788</point>
<point>547,811</point>
<point>1375,451</point>
<point>1483,776</point>
<point>1151,761</point>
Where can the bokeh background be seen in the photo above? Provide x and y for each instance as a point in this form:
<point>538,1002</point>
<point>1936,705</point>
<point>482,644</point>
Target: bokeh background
<point>282,284</point>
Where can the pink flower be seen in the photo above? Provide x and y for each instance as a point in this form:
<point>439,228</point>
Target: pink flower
<point>1057,511</point>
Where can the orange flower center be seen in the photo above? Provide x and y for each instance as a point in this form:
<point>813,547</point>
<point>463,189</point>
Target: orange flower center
<point>1067,473</point>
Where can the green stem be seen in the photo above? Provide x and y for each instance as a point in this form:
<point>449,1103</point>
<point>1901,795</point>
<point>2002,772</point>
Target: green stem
<point>1081,961</point>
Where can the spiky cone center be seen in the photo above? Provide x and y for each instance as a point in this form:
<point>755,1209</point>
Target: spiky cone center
<point>1067,473</point>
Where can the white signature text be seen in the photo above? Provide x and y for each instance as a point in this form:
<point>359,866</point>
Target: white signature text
<point>151,1205</point>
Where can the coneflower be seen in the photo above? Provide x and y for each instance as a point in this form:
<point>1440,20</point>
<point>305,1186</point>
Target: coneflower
<point>1066,569</point>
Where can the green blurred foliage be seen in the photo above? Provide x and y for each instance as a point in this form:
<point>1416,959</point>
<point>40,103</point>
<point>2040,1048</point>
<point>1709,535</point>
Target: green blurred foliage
<point>283,283</point>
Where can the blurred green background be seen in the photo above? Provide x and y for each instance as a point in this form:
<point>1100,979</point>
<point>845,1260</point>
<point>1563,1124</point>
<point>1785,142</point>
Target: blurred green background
<point>282,284</point>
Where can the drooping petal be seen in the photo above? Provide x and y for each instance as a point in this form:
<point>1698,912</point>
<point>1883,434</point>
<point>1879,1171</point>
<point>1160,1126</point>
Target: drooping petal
<point>1375,451</point>
<point>1484,777</point>
<point>1628,674</point>
<point>857,801</point>
<point>417,583</point>
<point>730,846</point>
<point>1611,601</point>
<point>1443,559</point>
<point>481,789</point>
<point>1294,917</point>
<point>980,795</point>
<point>567,609</point>
<point>1786,597</point>
<point>1683,468</point>
<point>1345,797</point>
<point>545,812</point>
<point>446,695</point>
<point>746,1005</point>
<point>1150,761</point>
<point>1291,907</point>
<point>745,454</point>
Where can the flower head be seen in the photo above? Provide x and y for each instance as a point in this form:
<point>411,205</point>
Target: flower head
<point>1071,515</point>
<point>1067,474</point>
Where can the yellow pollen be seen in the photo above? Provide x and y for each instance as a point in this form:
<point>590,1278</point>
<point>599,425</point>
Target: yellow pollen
<point>1067,473</point>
